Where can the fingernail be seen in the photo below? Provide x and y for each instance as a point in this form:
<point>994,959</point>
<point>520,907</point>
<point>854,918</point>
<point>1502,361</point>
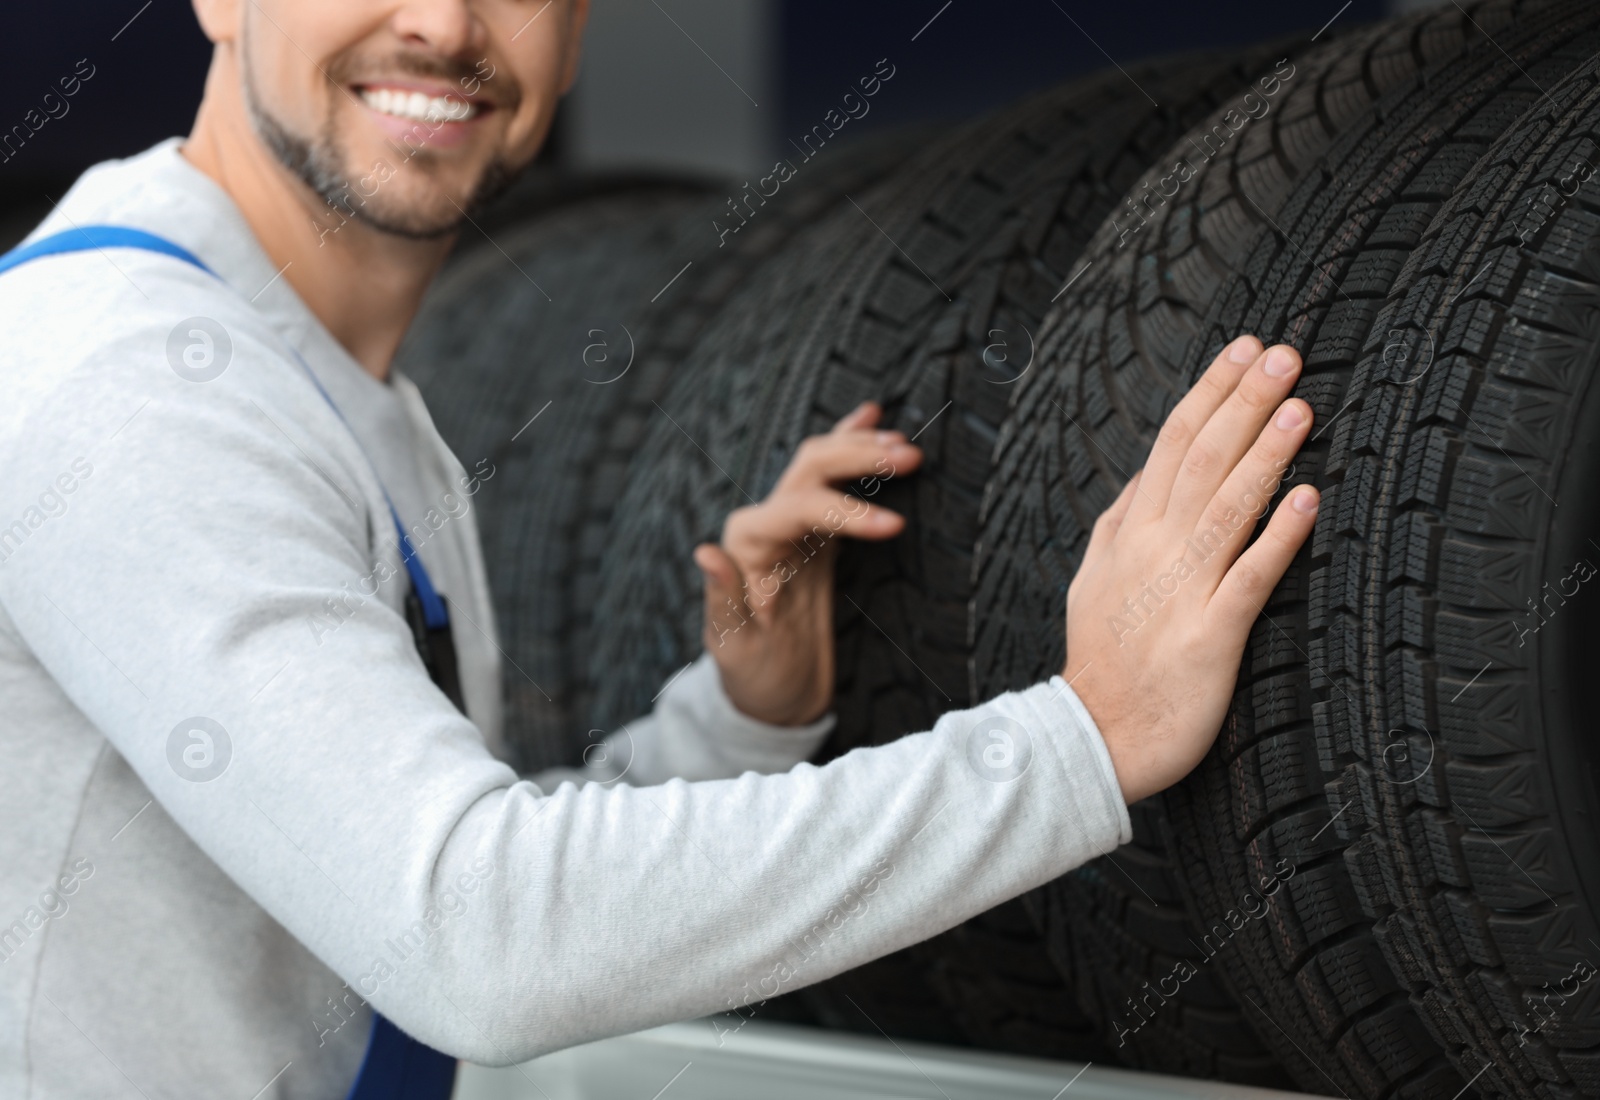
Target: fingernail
<point>1305,501</point>
<point>890,439</point>
<point>1280,362</point>
<point>1243,350</point>
<point>1291,417</point>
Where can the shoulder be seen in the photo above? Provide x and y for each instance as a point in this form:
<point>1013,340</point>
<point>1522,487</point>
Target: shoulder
<point>143,364</point>
<point>103,325</point>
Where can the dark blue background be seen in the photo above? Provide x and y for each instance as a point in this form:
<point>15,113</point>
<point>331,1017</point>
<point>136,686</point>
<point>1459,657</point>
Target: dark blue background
<point>977,54</point>
<point>146,84</point>
<point>982,53</point>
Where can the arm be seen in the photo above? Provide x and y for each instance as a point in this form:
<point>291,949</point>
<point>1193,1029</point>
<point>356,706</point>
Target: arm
<point>360,808</point>
<point>695,732</point>
<point>768,623</point>
<point>1183,525</point>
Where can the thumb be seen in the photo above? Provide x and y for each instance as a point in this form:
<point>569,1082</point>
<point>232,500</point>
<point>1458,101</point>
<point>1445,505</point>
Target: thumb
<point>727,608</point>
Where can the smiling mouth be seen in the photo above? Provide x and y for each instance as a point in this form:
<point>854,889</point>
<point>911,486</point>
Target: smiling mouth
<point>416,106</point>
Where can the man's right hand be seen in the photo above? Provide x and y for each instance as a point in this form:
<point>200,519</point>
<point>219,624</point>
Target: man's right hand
<point>1159,612</point>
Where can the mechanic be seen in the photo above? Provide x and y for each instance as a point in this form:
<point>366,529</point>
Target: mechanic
<point>245,857</point>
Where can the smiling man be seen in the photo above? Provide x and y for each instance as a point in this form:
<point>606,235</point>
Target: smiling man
<point>257,837</point>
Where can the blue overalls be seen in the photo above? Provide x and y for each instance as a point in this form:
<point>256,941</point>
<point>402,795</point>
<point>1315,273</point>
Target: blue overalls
<point>396,1066</point>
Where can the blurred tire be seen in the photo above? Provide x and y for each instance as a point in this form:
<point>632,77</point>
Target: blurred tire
<point>542,348</point>
<point>907,294</point>
<point>1451,611</point>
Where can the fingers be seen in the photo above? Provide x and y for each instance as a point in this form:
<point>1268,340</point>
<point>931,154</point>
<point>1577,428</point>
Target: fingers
<point>1191,414</point>
<point>864,415</point>
<point>1249,582</point>
<point>726,608</point>
<point>807,521</point>
<point>1232,430</point>
<point>849,453</point>
<point>1105,528</point>
<point>1227,521</point>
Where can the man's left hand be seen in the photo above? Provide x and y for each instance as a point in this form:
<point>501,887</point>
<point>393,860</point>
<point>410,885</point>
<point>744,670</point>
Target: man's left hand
<point>769,585</point>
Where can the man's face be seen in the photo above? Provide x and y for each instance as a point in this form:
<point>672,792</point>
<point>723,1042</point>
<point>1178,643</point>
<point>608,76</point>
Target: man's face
<point>406,114</point>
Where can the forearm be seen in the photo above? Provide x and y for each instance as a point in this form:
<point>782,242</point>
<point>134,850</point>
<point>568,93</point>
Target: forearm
<point>365,815</point>
<point>694,732</point>
<point>607,909</point>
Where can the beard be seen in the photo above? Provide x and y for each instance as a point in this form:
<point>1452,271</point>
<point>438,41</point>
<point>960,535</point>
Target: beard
<point>319,161</point>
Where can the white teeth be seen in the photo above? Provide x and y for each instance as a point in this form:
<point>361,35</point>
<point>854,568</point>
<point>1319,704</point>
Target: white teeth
<point>418,107</point>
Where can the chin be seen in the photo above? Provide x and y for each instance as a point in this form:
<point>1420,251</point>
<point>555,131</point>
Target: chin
<point>423,195</point>
<point>420,218</point>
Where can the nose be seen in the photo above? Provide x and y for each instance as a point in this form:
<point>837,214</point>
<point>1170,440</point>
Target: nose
<point>448,27</point>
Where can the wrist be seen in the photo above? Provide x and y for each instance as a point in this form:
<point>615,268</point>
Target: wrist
<point>759,703</point>
<point>1128,760</point>
<point>1073,743</point>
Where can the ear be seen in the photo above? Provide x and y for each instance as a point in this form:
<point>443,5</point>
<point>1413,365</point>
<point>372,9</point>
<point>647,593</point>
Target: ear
<point>219,19</point>
<point>577,20</point>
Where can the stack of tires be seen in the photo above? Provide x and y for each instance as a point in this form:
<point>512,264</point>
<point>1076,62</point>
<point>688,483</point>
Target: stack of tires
<point>1384,880</point>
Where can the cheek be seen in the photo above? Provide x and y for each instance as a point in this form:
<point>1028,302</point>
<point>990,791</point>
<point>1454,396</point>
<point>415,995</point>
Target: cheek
<point>529,73</point>
<point>526,123</point>
<point>289,44</point>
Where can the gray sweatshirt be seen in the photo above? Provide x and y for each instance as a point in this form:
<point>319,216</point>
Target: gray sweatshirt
<point>236,816</point>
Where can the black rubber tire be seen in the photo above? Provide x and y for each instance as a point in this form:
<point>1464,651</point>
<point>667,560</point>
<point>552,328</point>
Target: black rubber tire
<point>502,351</point>
<point>985,983</point>
<point>648,608</point>
<point>1119,352</point>
<point>1461,718</point>
<point>544,191</point>
<point>1005,218</point>
<point>1278,793</point>
<point>1316,968</point>
<point>995,216</point>
<point>998,220</point>
<point>511,330</point>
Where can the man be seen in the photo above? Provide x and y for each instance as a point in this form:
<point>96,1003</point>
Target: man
<point>247,828</point>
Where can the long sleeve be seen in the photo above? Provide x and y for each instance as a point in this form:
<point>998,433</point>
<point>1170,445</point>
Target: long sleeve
<point>486,915</point>
<point>694,732</point>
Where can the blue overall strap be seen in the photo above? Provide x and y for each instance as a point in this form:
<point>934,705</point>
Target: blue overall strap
<point>434,613</point>
<point>95,237</point>
<point>396,1066</point>
<point>87,238</point>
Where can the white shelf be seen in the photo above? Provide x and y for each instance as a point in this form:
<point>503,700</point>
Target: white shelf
<point>785,1062</point>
